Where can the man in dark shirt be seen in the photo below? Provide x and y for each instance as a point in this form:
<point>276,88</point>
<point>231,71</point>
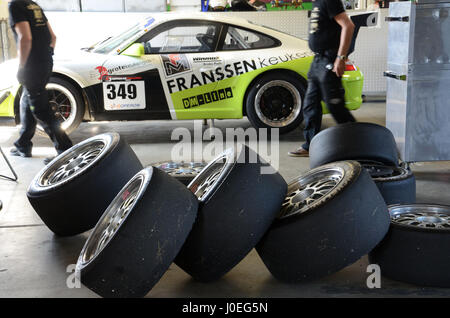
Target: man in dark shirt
<point>330,35</point>
<point>36,41</point>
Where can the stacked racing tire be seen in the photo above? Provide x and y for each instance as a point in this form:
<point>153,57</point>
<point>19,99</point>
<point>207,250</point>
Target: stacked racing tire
<point>138,236</point>
<point>375,148</point>
<point>417,248</point>
<point>72,191</point>
<point>240,196</point>
<point>332,216</point>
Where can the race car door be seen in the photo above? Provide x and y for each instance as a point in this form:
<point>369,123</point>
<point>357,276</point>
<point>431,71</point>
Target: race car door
<point>189,66</point>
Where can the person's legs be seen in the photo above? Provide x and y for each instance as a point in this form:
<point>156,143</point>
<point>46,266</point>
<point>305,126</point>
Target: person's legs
<point>24,144</point>
<point>46,118</point>
<point>312,113</point>
<point>41,109</point>
<point>334,96</point>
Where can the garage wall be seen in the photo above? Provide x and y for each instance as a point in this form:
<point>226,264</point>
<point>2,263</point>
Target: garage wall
<point>7,43</point>
<point>104,5</point>
<point>185,5</point>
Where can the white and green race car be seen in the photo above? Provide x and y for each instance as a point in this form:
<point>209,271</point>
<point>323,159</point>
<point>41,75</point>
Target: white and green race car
<point>173,66</point>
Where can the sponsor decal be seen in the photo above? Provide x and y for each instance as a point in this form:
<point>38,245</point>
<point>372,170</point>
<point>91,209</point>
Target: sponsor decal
<point>207,98</point>
<point>206,59</point>
<point>149,22</point>
<point>229,70</point>
<point>103,73</point>
<point>175,64</point>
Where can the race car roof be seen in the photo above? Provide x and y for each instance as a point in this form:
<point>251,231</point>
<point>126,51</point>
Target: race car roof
<point>162,17</point>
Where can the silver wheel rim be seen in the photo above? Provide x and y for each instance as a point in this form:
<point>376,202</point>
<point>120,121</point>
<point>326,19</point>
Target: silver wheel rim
<point>382,172</point>
<point>309,189</point>
<point>421,216</point>
<point>283,121</point>
<point>72,163</point>
<point>61,99</point>
<point>204,183</point>
<point>112,219</point>
<point>181,168</point>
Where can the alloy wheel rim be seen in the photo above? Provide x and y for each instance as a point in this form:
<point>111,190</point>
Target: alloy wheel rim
<point>278,103</point>
<point>112,219</point>
<point>181,168</point>
<point>309,189</point>
<point>63,103</point>
<point>383,172</point>
<point>421,216</point>
<point>206,180</point>
<point>69,165</point>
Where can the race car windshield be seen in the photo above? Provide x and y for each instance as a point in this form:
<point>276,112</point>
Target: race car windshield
<point>112,43</point>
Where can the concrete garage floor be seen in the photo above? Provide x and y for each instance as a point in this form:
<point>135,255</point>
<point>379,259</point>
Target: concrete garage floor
<point>34,262</point>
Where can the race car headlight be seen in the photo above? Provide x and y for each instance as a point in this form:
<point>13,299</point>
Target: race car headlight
<point>3,96</point>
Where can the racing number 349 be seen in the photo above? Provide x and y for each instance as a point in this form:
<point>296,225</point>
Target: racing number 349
<point>124,91</point>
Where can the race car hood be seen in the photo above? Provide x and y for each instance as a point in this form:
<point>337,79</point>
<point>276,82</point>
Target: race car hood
<point>80,66</point>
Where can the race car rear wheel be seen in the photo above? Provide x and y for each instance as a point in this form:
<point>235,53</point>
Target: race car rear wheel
<point>275,101</point>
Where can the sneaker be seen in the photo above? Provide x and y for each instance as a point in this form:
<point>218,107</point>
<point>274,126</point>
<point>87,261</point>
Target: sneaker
<point>17,152</point>
<point>47,160</point>
<point>299,153</point>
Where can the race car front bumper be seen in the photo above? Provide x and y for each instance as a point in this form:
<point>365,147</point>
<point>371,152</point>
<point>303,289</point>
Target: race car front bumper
<point>7,102</point>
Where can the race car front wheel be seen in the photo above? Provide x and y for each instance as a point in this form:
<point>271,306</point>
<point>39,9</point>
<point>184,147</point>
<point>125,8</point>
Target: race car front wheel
<point>275,100</point>
<point>66,102</point>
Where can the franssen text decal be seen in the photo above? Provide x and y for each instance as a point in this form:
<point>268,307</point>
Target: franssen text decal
<point>182,83</point>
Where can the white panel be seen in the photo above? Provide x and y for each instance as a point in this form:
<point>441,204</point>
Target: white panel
<point>59,5</point>
<point>185,5</point>
<point>102,5</point>
<point>145,5</point>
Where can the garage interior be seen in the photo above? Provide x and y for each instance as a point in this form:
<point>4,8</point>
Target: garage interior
<point>36,263</point>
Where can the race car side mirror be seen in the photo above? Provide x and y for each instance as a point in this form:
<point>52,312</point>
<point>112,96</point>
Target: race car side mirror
<point>135,49</point>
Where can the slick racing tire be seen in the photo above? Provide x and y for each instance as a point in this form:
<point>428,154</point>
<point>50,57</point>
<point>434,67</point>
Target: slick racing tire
<point>353,141</point>
<point>138,236</point>
<point>74,189</point>
<point>397,185</point>
<point>184,172</point>
<point>275,100</point>
<point>238,202</point>
<point>332,216</point>
<point>416,248</point>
